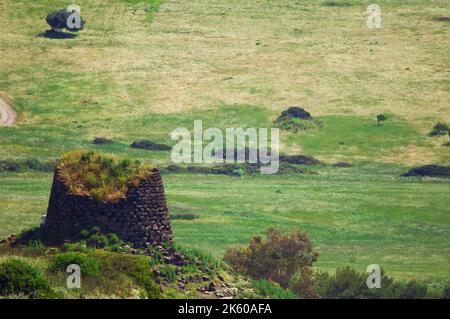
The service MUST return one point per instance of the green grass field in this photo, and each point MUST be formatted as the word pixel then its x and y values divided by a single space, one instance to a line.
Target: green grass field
pixel 356 216
pixel 138 75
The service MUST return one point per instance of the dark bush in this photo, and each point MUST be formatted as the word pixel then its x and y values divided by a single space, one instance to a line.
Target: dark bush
pixel 297 112
pixel 27 164
pixel 176 169
pixel 101 140
pixel 342 164
pixel 88 265
pixel 58 20
pixel 297 119
pixel 345 284
pixel 18 277
pixel 10 166
pixel 429 170
pixel 149 145
pixel 443 19
pixel 409 290
pixel 183 216
pixel 440 129
pixel 381 118
pixel 278 258
pixel 299 159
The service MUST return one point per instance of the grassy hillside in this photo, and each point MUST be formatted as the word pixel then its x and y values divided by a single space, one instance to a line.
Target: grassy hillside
pixel 135 74
pixel 227 62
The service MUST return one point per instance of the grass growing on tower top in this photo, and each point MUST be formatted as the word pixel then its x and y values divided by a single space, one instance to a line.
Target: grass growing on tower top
pixel 100 176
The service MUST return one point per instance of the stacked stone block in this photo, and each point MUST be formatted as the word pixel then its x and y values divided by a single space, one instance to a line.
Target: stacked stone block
pixel 141 217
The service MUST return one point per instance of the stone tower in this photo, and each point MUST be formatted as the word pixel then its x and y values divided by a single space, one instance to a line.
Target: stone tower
pixel 141 217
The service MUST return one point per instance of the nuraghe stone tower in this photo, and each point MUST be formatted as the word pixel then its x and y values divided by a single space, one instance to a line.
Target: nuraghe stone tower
pixel 141 217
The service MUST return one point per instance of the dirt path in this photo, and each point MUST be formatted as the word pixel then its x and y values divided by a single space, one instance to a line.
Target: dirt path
pixel 7 114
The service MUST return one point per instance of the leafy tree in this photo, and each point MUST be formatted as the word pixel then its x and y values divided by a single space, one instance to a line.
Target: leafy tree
pixel 381 118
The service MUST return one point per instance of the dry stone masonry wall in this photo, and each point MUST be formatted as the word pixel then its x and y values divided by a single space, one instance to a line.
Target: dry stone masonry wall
pixel 141 217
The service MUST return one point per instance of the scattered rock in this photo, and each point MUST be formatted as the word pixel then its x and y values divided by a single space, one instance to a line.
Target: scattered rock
pixel 220 277
pixel 429 170
pixel 149 145
pixel 212 287
pixel 205 278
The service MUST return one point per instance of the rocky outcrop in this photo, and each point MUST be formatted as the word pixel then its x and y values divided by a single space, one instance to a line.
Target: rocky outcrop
pixel 141 217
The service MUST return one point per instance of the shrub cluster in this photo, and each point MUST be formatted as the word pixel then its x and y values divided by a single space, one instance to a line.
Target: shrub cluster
pixel 286 259
pixel 96 239
pixel 347 283
pixel 100 176
pixel 88 264
pixel 20 278
pixel 136 267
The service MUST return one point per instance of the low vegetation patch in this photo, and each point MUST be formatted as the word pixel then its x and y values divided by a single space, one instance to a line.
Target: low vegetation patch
pixel 347 283
pixel 297 119
pixel 22 165
pixel 101 140
pixel 299 159
pixel 150 146
pixel 429 170
pixel 100 176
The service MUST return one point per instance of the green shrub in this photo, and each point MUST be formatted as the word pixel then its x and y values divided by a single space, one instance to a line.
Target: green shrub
pixel 347 283
pixel 277 259
pixel 168 273
pixel 18 277
pixel 136 267
pixel 88 265
pixel 272 290
pixel 290 123
pixel 408 290
pixel 204 261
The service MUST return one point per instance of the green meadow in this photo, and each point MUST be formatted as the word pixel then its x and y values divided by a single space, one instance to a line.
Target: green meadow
pixel 138 72
pixel 356 216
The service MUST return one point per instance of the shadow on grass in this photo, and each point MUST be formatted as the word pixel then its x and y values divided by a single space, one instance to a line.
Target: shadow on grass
pixel 57 35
